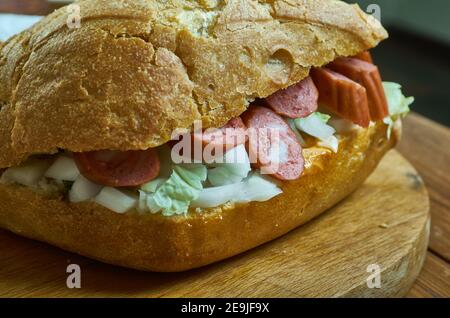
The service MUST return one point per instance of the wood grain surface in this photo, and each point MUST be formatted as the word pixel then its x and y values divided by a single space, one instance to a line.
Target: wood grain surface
pixel 426 145
pixel 385 222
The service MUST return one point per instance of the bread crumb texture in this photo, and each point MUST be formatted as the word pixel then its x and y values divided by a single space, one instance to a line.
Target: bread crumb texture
pixel 136 70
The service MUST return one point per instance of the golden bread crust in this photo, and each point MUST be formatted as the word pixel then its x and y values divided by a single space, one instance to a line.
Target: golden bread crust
pixel 137 70
pixel 166 244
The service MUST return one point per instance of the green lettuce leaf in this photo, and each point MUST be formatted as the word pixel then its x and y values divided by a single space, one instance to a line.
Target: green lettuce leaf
pixel 323 117
pixel 174 196
pixel 398 104
pixel 316 126
pixel 153 185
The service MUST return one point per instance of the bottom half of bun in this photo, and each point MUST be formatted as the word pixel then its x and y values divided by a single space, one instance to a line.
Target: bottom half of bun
pixel 169 244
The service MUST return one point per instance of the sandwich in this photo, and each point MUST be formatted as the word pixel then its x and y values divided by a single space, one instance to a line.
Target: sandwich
pixel 96 123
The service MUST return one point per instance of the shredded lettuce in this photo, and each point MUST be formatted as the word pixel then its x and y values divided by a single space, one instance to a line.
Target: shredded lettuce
pixel 153 185
pixel 398 104
pixel 192 174
pixel 173 196
pixel 234 168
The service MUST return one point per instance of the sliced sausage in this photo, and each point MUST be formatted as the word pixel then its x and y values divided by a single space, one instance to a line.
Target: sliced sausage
pixel 364 56
pixel 296 101
pixel 368 76
pixel 218 140
pixel 272 145
pixel 343 96
pixel 119 168
pixel 233 134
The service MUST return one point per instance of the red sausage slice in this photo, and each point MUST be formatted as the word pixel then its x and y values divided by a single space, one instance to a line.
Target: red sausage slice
pixel 218 140
pixel 296 101
pixel 119 168
pixel 368 76
pixel 365 56
pixel 279 154
pixel 233 134
pixel 342 95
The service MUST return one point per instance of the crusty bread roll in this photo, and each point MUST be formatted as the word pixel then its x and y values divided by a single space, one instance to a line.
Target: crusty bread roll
pixel 167 244
pixel 137 70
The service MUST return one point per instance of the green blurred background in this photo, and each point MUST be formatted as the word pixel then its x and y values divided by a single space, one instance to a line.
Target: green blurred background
pixel 417 55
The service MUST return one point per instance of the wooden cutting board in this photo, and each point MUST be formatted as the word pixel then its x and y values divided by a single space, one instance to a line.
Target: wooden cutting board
pixel 384 225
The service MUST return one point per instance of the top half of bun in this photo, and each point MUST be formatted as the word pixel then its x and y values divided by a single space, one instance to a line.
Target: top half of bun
pixel 136 70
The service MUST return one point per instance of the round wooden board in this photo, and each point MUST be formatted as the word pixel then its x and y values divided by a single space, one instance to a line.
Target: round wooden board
pixel 385 223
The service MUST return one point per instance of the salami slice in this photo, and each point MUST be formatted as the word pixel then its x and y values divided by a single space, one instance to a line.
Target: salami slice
pixel 296 101
pixel 210 144
pixel 272 145
pixel 229 136
pixel 119 168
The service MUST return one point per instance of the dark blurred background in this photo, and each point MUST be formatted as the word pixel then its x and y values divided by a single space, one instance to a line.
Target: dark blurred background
pixel 416 55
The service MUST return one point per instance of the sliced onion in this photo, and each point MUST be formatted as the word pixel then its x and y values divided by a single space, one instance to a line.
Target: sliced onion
pixel 142 204
pixel 257 188
pixel 213 197
pixel 291 123
pixel 116 200
pixel 254 188
pixel 314 126
pixel 83 190
pixel 341 125
pixel 221 176
pixel 64 168
pixel 238 161
pixel 330 143
pixel 235 167
pixel 27 174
